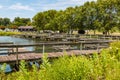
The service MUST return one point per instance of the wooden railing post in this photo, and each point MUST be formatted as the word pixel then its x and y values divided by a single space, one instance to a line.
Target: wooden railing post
pixel 81 46
pixel 90 36
pixel 17 55
pixel 97 37
pixel 64 48
pixel 98 47
pixel 43 48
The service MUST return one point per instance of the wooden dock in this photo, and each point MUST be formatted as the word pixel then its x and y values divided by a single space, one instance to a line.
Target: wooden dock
pixel 61 37
pixel 38 56
pixel 19 53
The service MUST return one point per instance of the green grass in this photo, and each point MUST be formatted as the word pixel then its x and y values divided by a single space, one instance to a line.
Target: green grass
pixel 8 33
pixel 104 66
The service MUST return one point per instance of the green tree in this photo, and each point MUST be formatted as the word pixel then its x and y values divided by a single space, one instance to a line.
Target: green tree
pixel 41 20
pixel 108 15
pixel 5 21
pixel 21 21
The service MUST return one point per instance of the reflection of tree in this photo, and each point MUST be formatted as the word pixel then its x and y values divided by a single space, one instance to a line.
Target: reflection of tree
pixel 38 48
pixel 48 48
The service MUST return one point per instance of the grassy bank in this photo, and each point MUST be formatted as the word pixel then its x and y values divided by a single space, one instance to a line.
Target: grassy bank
pixel 105 66
pixel 8 33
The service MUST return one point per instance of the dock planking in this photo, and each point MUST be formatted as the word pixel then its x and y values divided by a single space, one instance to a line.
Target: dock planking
pixel 18 51
pixel 38 56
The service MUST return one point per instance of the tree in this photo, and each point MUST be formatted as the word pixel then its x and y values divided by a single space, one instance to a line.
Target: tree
pixel 5 21
pixel 41 20
pixel 102 15
pixel 108 13
pixel 21 21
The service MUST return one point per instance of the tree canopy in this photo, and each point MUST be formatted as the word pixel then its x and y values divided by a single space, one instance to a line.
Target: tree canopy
pixel 7 23
pixel 102 15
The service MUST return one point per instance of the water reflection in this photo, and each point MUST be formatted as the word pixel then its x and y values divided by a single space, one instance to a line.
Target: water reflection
pixel 17 41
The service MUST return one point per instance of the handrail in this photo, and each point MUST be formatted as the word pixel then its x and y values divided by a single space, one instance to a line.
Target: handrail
pixel 52 43
pixel 6 48
pixel 1 43
pixel 81 43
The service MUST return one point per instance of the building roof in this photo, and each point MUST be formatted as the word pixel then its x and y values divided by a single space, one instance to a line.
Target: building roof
pixel 25 27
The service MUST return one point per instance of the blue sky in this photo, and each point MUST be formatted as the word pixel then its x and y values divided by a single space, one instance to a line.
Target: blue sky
pixel 28 8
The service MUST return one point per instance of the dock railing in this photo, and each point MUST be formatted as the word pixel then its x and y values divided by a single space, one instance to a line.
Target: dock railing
pixel 6 49
pixel 43 45
pixel 46 36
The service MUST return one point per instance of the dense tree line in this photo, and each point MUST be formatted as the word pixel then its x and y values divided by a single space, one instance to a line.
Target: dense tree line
pixel 102 15
pixel 7 23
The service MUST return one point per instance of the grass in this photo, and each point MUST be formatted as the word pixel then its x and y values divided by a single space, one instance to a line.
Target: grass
pixel 8 33
pixel 97 32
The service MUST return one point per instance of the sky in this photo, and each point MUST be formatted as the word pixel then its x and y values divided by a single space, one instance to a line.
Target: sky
pixel 29 8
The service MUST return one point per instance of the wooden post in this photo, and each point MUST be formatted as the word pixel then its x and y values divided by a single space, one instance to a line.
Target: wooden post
pixel 117 38
pixel 17 56
pixel 104 36
pixel 43 48
pixel 97 37
pixel 98 47
pixel 81 46
pixel 111 37
pixel 90 36
pixel 63 48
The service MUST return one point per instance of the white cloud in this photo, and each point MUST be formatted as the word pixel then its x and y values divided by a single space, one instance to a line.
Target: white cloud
pixel 60 4
pixel 19 6
pixel 1 6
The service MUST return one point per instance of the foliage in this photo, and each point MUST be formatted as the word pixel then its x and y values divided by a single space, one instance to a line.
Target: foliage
pixel 103 66
pixel 2 73
pixel 6 23
pixel 102 15
pixel 21 21
pixel 42 19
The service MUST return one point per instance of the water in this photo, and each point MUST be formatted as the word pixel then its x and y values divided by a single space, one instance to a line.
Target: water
pixel 15 41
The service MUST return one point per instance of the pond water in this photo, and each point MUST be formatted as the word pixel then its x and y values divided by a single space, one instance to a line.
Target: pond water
pixel 15 41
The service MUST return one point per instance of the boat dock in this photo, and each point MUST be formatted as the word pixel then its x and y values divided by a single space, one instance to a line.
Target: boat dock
pixel 38 56
pixel 20 53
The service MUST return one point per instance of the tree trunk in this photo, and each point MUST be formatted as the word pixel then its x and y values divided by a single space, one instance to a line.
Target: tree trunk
pixel 87 31
pixel 94 32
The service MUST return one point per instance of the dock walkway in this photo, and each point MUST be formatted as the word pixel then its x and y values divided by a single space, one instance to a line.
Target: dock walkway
pixel 38 56
pixel 19 53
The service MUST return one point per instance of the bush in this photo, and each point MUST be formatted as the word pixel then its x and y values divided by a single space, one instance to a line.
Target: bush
pixel 81 31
